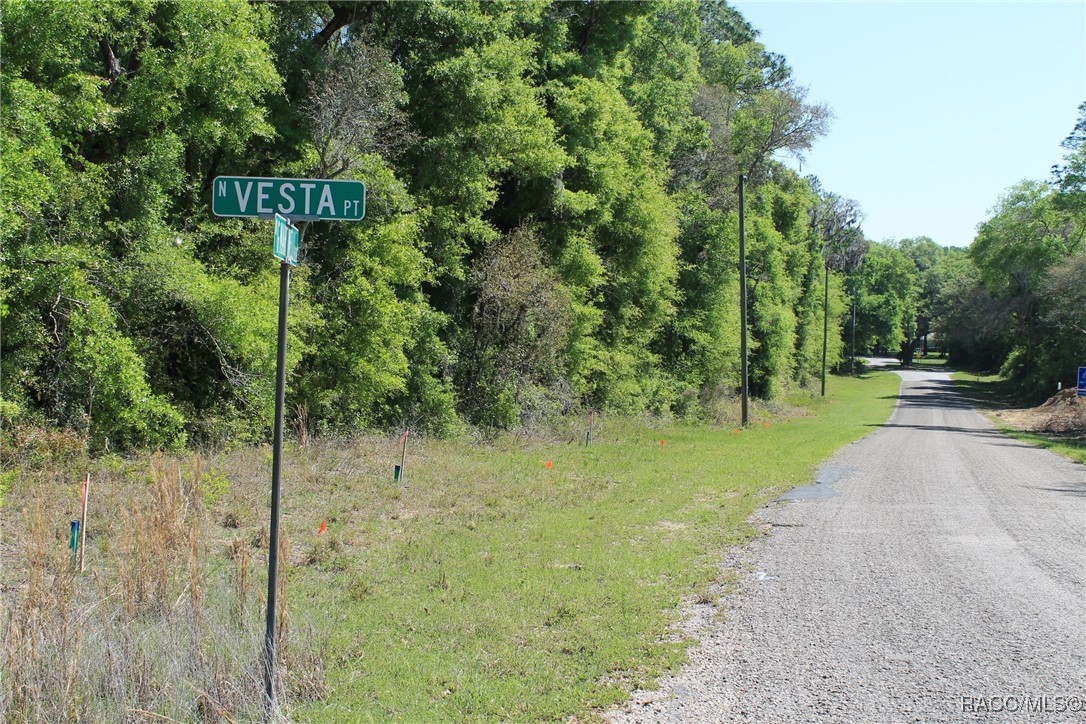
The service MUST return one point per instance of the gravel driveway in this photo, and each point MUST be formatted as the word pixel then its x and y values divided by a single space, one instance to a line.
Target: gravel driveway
pixel 936 573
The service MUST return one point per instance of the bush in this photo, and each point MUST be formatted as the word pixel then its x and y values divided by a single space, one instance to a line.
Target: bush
pixel 517 333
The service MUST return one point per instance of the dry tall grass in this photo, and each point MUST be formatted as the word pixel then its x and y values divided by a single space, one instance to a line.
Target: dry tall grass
pixel 163 625
pixel 167 621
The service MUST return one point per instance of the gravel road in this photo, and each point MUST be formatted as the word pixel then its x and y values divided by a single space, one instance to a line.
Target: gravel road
pixel 937 572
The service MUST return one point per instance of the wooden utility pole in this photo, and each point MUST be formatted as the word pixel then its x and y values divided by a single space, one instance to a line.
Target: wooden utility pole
pixel 743 292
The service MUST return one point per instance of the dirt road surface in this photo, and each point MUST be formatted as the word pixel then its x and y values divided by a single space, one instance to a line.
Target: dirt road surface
pixel 937 572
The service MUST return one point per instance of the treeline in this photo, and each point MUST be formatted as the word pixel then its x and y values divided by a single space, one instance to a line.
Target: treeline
pixel 551 222
pixel 1013 302
pixel 1017 302
pixel 552 216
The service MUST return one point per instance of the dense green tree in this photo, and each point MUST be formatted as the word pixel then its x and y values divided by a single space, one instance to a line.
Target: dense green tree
pixel 154 96
pixel 772 294
pixel 700 344
pixel 749 110
pixel 887 296
pixel 1026 255
pixel 1069 178
pixel 1021 240
pixel 926 256
pixel 970 324
pixel 1061 322
pixel 551 213
pixel 661 75
pixel 619 203
pixel 750 104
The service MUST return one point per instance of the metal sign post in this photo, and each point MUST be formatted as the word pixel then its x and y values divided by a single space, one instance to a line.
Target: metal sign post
pixel 743 294
pixel 286 200
pixel 286 249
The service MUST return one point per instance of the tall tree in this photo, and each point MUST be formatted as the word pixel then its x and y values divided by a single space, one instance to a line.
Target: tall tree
pixel 590 149
pixel 836 222
pixel 155 97
pixel 887 300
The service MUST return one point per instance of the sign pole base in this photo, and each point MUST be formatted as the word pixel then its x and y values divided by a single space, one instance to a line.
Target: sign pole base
pixel 270 705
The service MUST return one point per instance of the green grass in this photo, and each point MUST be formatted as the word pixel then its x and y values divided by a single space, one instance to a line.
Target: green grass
pixel 1074 448
pixel 992 392
pixel 929 361
pixel 491 587
pixel 486 586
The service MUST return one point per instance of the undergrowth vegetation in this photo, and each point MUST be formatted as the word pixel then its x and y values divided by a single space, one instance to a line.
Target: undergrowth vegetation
pixel 998 393
pixel 523 576
pixel 165 620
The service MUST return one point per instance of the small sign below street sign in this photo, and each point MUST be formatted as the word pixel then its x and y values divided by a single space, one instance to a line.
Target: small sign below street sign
pixel 286 200
pixel 285 245
pixel 1082 381
pixel 298 199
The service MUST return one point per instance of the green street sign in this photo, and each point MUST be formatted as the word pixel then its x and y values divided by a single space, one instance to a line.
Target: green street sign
pixel 298 199
pixel 285 245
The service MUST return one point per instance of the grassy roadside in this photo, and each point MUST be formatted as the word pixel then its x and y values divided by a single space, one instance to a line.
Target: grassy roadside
pixel 991 392
pixel 930 362
pixel 489 584
pixel 493 586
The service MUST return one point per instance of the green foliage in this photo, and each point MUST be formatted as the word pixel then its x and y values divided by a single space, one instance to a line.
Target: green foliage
pixel 1061 317
pixel 886 300
pixel 518 329
pixel 110 122
pixel 1069 178
pixel 1021 240
pixel 7 480
pixel 615 195
pixel 214 484
pixel 701 343
pixel 550 216
pixel 771 317
pixel 1024 288
pixel 970 324
pixel 1053 343
pixel 216 356
pixel 65 351
pixel 366 287
pixel 427 401
pixel 662 74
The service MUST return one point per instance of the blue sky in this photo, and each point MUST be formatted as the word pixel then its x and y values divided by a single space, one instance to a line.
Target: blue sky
pixel 940 106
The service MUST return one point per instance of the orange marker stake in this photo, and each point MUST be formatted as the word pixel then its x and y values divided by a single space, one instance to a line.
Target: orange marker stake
pixel 663 442
pixel 548 465
pixel 324 527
